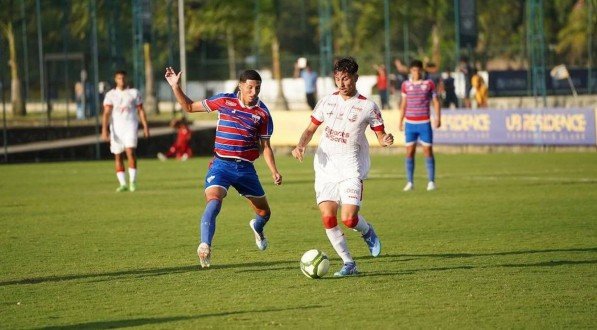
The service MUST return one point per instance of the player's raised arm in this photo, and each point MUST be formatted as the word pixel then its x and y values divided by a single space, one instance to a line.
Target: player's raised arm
pixel 306 137
pixel 185 102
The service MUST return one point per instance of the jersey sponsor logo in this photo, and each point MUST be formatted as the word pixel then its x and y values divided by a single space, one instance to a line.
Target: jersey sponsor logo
pixel 336 136
pixel 330 113
pixel 255 118
pixel 230 103
pixel 211 178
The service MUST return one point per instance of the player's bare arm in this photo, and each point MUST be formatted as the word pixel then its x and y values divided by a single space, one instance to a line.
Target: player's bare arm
pixel 268 156
pixel 105 121
pixel 437 110
pixel 185 102
pixel 402 112
pixel 143 118
pixel 306 137
pixel 384 139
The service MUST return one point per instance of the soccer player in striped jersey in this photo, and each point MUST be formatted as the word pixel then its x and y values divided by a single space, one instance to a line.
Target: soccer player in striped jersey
pixel 417 95
pixel 244 127
pixel 342 159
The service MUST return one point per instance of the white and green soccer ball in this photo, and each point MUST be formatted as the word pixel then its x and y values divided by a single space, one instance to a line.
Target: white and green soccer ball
pixel 315 263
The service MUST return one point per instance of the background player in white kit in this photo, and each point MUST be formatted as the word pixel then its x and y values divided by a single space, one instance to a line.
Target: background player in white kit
pixel 123 108
pixel 342 159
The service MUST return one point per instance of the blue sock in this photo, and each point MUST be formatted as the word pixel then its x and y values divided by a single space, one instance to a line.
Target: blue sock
pixel 260 222
pixel 207 226
pixel 430 164
pixel 410 169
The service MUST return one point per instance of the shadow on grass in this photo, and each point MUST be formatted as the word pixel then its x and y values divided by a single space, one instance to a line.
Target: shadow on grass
pixel 470 255
pixel 141 272
pixel 159 320
pixel 285 264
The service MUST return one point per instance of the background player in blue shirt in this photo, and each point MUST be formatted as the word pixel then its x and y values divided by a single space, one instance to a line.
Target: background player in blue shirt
pixel 244 126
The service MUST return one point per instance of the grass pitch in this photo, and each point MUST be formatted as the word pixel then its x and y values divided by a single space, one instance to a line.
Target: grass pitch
pixel 508 240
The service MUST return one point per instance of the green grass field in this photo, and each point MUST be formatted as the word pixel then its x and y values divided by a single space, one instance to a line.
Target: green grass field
pixel 508 241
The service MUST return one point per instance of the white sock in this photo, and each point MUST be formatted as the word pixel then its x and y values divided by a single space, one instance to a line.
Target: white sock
pixel 132 174
pixel 362 226
pixel 338 241
pixel 121 177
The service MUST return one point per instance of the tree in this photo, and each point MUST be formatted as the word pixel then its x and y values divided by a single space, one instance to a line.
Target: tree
pixel 572 38
pixel 16 97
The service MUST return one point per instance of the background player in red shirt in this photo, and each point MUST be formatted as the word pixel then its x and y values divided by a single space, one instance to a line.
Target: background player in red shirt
pixel 181 149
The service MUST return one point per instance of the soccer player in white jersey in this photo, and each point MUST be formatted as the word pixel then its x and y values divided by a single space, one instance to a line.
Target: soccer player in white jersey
pixel 123 108
pixel 342 159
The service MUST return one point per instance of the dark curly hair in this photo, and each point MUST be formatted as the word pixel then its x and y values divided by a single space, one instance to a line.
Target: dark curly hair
pixel 249 75
pixel 346 64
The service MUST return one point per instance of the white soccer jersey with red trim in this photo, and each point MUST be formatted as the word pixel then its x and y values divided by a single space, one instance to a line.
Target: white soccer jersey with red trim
pixel 343 151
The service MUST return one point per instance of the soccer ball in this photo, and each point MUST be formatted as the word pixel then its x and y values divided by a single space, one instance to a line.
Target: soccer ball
pixel 315 263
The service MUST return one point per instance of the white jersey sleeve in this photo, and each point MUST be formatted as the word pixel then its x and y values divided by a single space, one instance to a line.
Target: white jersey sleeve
pixel 137 97
pixel 317 114
pixel 374 119
pixel 109 98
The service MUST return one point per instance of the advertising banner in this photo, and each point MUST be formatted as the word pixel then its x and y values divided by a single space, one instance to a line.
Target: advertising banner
pixel 555 126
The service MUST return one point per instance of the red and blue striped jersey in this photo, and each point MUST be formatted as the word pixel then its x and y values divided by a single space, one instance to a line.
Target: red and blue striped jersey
pixel 418 97
pixel 239 126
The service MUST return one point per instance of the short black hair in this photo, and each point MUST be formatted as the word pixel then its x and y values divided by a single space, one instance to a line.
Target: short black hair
pixel 249 75
pixel 346 64
pixel 122 72
pixel 416 64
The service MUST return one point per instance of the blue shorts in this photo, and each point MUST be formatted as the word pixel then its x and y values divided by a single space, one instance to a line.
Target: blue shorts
pixel 239 174
pixel 422 132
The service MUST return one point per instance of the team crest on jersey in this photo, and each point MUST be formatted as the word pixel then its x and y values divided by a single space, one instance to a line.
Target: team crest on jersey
pixel 424 87
pixel 255 118
pixel 230 103
pixel 352 117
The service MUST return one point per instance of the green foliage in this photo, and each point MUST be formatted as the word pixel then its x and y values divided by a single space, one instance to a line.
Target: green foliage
pixel 507 241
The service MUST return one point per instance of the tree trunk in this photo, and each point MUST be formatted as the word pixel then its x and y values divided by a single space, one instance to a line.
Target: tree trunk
pixel 436 52
pixel 150 100
pixel 231 54
pixel 16 98
pixel 280 102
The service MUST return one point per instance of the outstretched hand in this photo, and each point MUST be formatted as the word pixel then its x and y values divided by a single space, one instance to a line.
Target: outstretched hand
pixel 172 77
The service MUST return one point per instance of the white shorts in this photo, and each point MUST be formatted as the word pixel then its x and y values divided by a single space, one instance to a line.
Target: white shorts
pixel 349 191
pixel 122 138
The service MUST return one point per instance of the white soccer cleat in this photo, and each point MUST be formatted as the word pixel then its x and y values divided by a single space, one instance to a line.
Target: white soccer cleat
pixel 409 186
pixel 431 186
pixel 260 239
pixel 204 253
pixel 162 157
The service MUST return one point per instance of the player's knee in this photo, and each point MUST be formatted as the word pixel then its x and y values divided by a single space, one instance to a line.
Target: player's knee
pixel 264 213
pixel 329 222
pixel 351 222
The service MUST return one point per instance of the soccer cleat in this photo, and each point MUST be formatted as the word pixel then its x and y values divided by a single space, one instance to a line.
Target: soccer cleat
pixel 184 157
pixel 372 242
pixel 260 239
pixel 132 186
pixel 204 254
pixel 349 269
pixel 409 186
pixel 162 157
pixel 122 188
pixel 431 186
